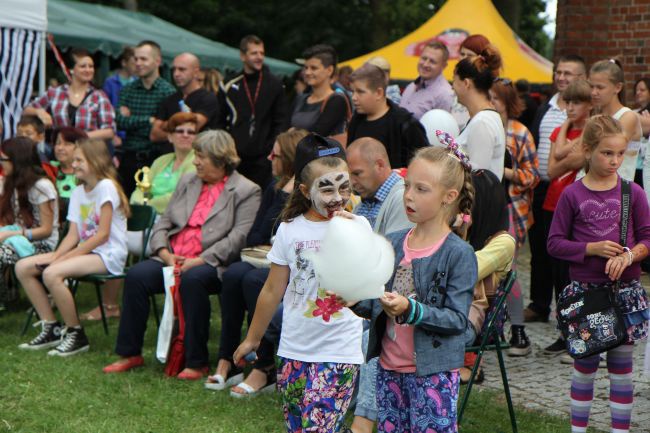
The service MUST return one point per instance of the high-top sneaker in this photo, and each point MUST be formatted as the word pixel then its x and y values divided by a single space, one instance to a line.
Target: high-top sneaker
pixel 519 342
pixel 74 341
pixel 50 336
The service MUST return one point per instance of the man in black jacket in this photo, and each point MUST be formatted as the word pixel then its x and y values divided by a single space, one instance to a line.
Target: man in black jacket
pixel 255 111
pixel 379 118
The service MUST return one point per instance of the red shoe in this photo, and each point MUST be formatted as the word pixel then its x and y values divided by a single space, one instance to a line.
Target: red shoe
pixel 120 366
pixel 193 373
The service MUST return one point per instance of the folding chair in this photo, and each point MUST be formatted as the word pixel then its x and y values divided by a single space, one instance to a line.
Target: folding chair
pixel 492 339
pixel 142 219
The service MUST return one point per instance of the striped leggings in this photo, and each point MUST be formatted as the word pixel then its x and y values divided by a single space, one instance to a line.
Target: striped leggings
pixel 621 389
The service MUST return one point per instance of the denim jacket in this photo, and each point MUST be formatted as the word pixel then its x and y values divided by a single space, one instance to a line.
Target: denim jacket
pixel 444 285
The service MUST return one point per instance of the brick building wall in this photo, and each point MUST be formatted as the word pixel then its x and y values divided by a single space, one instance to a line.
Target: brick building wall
pixel 602 29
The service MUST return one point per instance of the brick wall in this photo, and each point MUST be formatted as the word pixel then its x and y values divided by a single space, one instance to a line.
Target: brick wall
pixel 602 29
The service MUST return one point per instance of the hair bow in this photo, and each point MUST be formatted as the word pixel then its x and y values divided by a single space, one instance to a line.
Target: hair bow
pixel 447 139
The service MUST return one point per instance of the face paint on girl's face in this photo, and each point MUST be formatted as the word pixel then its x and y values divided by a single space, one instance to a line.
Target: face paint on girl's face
pixel 330 192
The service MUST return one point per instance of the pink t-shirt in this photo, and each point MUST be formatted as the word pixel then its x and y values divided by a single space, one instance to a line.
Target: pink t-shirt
pixel 397 353
pixel 187 242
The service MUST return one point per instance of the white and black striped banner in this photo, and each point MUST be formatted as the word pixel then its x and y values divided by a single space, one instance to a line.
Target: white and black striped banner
pixel 19 50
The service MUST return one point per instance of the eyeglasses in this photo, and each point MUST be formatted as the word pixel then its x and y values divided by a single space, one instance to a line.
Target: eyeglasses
pixel 273 155
pixel 3 159
pixel 182 131
pixel 505 81
pixel 566 74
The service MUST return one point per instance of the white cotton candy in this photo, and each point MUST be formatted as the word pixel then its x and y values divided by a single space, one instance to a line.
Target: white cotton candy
pixel 442 120
pixel 353 262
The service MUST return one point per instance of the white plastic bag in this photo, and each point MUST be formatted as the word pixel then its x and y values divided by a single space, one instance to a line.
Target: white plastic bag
pixel 167 321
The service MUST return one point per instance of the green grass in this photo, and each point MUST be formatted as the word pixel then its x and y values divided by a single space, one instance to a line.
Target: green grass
pixel 44 394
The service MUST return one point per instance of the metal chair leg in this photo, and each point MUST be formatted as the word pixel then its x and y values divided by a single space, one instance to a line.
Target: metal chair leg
pixel 30 316
pixel 506 387
pixel 98 290
pixel 470 384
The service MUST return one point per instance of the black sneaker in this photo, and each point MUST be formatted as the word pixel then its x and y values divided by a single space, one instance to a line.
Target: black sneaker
pixel 558 347
pixel 74 341
pixel 50 336
pixel 519 342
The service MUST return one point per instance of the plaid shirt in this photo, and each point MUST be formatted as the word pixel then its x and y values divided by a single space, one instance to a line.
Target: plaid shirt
pixel 369 208
pixel 95 111
pixel 520 144
pixel 143 104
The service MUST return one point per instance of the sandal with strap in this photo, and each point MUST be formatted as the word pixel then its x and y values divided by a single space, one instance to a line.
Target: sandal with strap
pixel 217 382
pixel 110 310
pixel 249 391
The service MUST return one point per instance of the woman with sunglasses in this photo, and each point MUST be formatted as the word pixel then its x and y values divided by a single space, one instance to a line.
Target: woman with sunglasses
pixel 165 172
pixel 65 139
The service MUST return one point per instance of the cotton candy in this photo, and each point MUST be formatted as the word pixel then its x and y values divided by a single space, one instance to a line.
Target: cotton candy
pixel 353 262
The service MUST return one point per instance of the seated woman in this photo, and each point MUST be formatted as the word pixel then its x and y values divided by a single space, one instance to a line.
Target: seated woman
pixel 29 215
pixel 64 145
pixel 242 282
pixel 495 250
pixel 165 172
pixel 203 229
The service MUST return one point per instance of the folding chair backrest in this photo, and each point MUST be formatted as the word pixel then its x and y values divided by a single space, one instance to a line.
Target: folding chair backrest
pixel 497 312
pixel 141 220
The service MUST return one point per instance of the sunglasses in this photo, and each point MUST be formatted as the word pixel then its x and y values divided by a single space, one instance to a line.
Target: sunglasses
pixel 182 131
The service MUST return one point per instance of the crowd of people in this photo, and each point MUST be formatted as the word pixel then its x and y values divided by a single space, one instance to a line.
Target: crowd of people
pixel 236 166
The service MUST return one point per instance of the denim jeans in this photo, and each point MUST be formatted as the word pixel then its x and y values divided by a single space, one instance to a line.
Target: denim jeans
pixel 367 393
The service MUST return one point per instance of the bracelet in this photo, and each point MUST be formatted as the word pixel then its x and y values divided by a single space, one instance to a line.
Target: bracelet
pixel 29 234
pixel 630 255
pixel 411 310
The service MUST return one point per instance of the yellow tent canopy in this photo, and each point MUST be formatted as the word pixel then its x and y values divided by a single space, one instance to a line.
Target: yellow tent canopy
pixel 456 20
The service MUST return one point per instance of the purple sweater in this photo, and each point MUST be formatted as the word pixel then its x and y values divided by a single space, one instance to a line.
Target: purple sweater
pixel 583 216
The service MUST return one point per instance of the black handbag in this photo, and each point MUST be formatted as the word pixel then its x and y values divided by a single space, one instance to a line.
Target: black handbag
pixel 588 315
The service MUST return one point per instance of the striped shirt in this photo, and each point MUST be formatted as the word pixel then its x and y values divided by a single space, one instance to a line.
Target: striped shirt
pixel 143 104
pixel 553 118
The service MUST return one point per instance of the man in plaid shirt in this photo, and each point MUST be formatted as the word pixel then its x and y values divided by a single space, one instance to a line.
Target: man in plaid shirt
pixel 139 103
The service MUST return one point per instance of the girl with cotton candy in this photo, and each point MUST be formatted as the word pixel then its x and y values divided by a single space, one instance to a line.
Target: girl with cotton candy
pixel 417 326
pixel 320 344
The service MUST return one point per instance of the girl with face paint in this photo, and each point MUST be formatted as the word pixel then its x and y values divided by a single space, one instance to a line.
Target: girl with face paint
pixel 320 344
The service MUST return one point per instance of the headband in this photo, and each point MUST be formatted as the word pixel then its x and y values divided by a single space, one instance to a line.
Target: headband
pixel 446 138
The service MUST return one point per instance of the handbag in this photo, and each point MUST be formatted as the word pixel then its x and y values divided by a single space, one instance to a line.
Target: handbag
pixel 166 327
pixel 256 256
pixel 176 355
pixel 588 315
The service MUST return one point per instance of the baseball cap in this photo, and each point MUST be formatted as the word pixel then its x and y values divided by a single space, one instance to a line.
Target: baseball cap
pixel 312 147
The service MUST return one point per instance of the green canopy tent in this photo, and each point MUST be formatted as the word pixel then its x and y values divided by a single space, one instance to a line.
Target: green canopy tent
pixel 108 30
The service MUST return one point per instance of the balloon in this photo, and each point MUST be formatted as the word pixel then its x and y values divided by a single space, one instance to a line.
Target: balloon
pixel 439 119
pixel 353 262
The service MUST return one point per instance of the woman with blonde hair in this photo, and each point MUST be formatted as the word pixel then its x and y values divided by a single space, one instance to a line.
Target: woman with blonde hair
pixel 95 244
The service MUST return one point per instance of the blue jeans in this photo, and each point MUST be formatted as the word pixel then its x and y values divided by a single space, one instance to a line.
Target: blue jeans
pixel 367 394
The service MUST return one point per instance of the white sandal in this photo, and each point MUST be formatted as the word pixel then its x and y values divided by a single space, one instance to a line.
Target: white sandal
pixel 249 391
pixel 217 382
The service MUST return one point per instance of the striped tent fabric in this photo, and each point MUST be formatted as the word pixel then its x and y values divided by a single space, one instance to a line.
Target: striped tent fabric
pixel 19 51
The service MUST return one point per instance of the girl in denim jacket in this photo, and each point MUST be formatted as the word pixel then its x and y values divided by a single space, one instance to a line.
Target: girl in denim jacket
pixel 417 326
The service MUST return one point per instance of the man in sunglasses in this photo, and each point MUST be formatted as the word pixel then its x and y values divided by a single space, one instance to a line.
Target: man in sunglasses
pixel 190 97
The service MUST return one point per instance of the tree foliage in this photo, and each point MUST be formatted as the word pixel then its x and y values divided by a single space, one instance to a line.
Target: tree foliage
pixel 354 27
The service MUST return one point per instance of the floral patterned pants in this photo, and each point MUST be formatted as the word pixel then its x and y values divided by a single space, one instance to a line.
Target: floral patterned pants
pixel 315 395
pixel 417 404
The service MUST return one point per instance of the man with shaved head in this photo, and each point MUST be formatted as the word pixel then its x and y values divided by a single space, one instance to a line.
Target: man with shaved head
pixel 381 189
pixel 382 203
pixel 191 96
pixel 136 111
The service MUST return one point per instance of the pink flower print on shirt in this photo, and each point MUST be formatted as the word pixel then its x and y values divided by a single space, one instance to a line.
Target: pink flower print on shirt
pixel 325 306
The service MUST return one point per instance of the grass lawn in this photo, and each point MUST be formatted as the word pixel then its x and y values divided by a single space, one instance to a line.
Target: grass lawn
pixel 44 394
